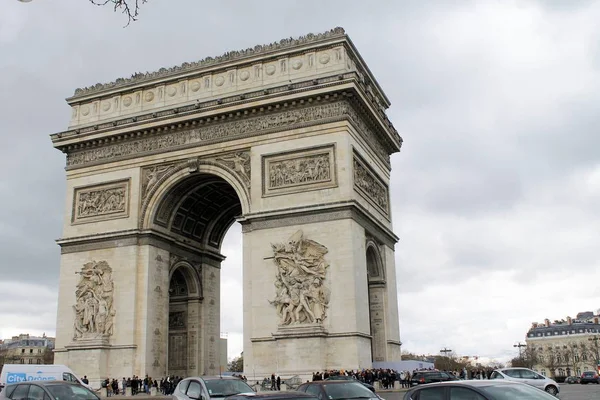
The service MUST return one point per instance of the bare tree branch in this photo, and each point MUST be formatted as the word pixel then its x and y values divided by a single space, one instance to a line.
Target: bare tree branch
pixel 130 8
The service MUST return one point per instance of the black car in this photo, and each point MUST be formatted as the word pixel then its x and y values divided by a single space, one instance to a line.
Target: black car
pixel 572 379
pixel 349 378
pixel 338 390
pixel 477 390
pixel 47 390
pixel 589 377
pixel 423 377
pixel 277 395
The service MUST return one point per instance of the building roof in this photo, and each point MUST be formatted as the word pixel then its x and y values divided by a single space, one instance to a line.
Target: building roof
pixel 585 322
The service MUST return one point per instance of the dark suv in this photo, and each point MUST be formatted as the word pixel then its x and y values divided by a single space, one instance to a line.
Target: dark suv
pixel 422 377
pixel 589 377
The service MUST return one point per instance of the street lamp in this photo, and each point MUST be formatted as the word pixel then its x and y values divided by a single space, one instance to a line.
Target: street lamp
pixel 520 345
pixel 446 351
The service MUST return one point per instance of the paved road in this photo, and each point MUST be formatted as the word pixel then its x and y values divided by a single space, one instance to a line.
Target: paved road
pixel 567 392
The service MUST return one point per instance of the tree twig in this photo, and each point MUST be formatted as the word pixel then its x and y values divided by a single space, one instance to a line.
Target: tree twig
pixel 130 8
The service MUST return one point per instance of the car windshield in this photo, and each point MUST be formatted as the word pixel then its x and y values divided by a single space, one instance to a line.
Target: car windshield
pixel 71 392
pixel 516 392
pixel 347 390
pixel 226 387
pixel 339 378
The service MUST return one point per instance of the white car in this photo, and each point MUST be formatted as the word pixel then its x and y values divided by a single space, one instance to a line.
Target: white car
pixel 210 388
pixel 527 376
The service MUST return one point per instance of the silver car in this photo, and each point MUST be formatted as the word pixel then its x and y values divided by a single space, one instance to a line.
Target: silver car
pixel 527 376
pixel 210 388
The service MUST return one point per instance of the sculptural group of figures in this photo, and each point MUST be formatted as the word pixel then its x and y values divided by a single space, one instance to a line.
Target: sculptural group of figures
pixel 301 170
pixel 301 296
pixel 94 306
pixel 101 202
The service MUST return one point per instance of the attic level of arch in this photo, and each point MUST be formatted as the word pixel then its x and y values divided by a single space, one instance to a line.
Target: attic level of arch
pixel 182 117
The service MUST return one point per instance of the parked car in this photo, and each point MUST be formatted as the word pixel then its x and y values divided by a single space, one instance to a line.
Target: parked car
pixel 572 379
pixel 424 377
pixel 210 387
pixel 485 389
pixel 338 390
pixel 349 378
pixel 525 375
pixel 589 377
pixel 276 395
pixel 47 390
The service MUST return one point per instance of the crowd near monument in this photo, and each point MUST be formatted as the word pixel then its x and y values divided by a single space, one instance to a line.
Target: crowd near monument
pixel 291 140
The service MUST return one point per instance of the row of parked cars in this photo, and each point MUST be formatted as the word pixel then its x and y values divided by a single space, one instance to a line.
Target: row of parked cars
pixel 522 375
pixel 505 384
pixel 585 378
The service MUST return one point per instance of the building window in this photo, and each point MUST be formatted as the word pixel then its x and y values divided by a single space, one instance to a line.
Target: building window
pixel 22 361
pixel 543 372
pixel 578 371
pixel 584 357
pixel 39 351
pixel 31 361
pixel 22 351
pixel 30 351
pixel 39 361
pixel 561 372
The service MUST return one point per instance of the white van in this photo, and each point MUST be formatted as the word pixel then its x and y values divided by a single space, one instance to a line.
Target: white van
pixel 13 373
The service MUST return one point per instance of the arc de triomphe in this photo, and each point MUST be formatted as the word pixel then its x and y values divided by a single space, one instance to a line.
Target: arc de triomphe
pixel 289 139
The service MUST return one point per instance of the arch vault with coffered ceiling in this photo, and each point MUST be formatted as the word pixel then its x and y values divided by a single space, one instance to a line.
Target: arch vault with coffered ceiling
pixel 292 141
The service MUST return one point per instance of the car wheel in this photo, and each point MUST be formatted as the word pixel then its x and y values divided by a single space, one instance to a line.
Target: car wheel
pixel 552 390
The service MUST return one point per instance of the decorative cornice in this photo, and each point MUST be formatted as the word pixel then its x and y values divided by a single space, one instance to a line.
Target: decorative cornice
pixel 228 126
pixel 283 44
pixel 250 222
pixel 324 213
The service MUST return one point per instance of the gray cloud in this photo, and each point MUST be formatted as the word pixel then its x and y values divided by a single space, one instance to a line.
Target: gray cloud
pixel 495 192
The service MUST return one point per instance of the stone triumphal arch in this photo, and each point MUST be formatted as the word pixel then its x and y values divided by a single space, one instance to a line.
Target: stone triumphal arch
pixel 289 139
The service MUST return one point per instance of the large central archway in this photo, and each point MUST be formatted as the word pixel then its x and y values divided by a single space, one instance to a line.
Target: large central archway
pixel 195 211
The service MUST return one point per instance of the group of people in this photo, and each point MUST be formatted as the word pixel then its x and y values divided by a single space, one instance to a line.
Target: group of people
pixel 138 385
pixel 386 377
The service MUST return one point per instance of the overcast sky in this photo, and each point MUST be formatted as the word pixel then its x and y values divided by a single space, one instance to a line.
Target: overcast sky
pixel 495 194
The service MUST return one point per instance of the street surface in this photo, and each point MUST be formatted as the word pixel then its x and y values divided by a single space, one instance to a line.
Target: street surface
pixel 567 392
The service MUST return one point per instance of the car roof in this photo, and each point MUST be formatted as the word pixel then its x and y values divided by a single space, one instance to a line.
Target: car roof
pixel 214 377
pixel 276 394
pixel 332 382
pixel 45 383
pixel 473 383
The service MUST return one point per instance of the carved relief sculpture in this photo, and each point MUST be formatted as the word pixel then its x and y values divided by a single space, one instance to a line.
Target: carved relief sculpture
pixel 366 182
pixel 152 175
pixel 94 312
pixel 302 297
pixel 238 162
pixel 299 171
pixel 101 202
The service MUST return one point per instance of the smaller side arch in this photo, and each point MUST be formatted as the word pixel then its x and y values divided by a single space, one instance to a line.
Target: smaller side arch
pixel 191 275
pixel 375 265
